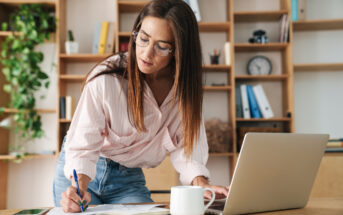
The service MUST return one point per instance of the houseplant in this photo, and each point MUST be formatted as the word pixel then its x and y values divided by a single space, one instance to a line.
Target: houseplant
pixel 31 25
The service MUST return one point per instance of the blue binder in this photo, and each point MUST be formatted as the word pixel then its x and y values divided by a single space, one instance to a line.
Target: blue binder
pixel 294 10
pixel 254 109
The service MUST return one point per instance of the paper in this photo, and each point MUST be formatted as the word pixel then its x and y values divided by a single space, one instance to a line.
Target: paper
pixel 115 209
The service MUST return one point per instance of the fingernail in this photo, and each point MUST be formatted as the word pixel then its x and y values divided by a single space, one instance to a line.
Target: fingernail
pixel 84 202
pixel 86 207
pixel 79 202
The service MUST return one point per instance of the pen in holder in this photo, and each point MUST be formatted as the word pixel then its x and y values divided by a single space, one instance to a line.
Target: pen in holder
pixel 214 58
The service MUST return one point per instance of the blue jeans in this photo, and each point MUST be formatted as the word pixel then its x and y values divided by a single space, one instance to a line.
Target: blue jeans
pixel 113 183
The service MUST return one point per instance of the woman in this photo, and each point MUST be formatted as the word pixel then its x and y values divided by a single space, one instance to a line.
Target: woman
pixel 134 110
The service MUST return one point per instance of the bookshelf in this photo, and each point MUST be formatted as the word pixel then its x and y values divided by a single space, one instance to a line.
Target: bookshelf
pixel 321 27
pixel 6 8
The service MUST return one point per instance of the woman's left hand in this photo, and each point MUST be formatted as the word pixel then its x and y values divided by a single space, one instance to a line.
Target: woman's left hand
pixel 221 191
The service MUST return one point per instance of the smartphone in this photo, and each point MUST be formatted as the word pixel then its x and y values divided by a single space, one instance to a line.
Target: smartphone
pixel 37 211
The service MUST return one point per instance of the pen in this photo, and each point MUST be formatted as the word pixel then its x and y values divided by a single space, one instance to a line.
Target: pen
pixel 77 188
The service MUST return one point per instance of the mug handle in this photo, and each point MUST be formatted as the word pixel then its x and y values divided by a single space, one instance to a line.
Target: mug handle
pixel 213 197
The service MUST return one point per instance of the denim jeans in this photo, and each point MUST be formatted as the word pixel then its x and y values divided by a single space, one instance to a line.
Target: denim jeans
pixel 113 183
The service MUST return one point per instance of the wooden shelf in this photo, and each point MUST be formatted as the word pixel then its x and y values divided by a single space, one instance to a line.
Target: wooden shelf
pixel 30 156
pixel 213 26
pixel 222 154
pixel 65 120
pixel 18 2
pixel 124 34
pixel 316 25
pixel 261 77
pixel 318 67
pixel 72 78
pixel 131 6
pixel 264 120
pixel 217 88
pixel 11 110
pixel 259 16
pixel 247 47
pixel 83 57
pixel 216 67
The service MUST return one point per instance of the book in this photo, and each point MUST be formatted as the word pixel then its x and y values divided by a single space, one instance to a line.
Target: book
pixel 62 107
pixel 96 36
pixel 110 38
pixel 263 102
pixel 227 53
pixel 286 29
pixel 301 9
pixel 239 111
pixel 282 31
pixel 69 107
pixel 103 37
pixel 254 109
pixel 124 46
pixel 195 7
pixel 338 149
pixel 333 144
pixel 294 10
pixel 245 102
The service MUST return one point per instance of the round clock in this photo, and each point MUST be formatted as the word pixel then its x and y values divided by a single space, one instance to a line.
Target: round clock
pixel 259 65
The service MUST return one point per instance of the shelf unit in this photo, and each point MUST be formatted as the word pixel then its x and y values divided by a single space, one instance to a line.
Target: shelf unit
pixel 329 176
pixel 318 25
pixel 285 120
pixel 6 8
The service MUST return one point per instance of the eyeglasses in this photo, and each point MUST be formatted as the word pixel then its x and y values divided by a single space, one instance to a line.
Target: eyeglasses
pixel 161 48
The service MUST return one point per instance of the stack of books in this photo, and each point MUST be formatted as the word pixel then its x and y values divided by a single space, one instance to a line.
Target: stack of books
pixel 335 145
pixel 284 33
pixel 252 102
pixel 104 38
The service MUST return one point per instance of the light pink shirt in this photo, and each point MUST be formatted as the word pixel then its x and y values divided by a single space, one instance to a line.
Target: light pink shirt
pixel 101 127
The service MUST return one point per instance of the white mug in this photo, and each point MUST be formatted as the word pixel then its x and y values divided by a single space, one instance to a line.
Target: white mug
pixel 189 200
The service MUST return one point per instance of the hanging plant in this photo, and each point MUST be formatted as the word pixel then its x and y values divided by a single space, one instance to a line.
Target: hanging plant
pixel 31 25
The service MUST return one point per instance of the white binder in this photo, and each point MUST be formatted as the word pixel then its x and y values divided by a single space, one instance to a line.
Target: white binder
pixel 262 101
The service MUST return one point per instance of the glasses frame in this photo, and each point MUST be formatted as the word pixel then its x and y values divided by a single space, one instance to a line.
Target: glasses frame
pixel 134 35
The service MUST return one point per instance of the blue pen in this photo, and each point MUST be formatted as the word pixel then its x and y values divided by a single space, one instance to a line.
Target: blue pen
pixel 78 188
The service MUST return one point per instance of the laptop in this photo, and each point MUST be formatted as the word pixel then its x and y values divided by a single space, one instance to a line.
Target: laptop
pixel 274 171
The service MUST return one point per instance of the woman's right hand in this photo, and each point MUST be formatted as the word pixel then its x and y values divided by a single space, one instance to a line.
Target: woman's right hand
pixel 71 201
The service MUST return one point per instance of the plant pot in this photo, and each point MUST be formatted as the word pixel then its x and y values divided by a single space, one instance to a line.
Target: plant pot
pixel 72 47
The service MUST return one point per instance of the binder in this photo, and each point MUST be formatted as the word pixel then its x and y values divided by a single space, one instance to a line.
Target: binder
pixel 254 110
pixel 227 53
pixel 294 10
pixel 110 38
pixel 62 107
pixel 239 111
pixel 301 9
pixel 96 38
pixel 263 102
pixel 103 37
pixel 69 107
pixel 245 102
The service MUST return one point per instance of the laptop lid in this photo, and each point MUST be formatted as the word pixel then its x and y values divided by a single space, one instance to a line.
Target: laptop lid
pixel 275 171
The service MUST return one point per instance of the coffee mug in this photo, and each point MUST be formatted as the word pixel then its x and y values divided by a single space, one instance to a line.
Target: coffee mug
pixel 189 200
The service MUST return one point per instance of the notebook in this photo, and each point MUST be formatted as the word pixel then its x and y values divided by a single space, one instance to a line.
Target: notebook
pixel 274 171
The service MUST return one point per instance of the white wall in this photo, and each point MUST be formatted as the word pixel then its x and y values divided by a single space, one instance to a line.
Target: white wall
pixel 318 103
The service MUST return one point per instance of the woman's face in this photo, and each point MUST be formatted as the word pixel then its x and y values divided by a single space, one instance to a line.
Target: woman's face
pixel 154 45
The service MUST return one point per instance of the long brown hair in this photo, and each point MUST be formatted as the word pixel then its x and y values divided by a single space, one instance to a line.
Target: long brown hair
pixel 187 62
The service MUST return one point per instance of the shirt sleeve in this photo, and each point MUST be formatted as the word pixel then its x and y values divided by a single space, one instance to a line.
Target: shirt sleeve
pixel 85 136
pixel 194 166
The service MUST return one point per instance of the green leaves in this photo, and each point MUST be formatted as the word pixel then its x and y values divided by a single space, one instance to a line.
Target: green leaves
pixel 32 24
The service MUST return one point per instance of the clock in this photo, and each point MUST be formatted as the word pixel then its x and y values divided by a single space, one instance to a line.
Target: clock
pixel 259 65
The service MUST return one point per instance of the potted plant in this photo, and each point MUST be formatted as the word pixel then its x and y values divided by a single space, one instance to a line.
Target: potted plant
pixel 71 46
pixel 31 24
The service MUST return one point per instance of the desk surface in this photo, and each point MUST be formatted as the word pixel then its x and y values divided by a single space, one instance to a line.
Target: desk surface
pixel 316 206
